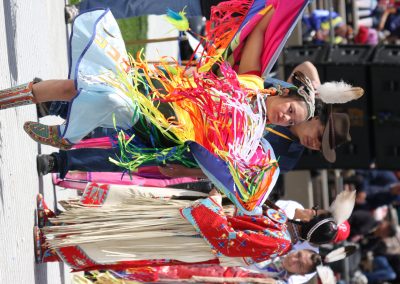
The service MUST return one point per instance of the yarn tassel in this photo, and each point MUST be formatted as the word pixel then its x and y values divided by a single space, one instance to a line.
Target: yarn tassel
pixel 178 20
pixel 212 111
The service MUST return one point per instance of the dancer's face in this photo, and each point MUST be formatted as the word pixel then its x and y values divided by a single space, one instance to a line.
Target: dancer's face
pixel 306 215
pixel 286 110
pixel 310 133
pixel 299 262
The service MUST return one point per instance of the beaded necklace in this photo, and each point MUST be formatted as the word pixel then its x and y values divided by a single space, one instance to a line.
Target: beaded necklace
pixel 294 234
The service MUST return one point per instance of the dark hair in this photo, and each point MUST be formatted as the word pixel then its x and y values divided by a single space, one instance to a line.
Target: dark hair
pixel 294 95
pixel 322 234
pixel 316 260
pixel 322 111
pixel 297 78
pixel 392 229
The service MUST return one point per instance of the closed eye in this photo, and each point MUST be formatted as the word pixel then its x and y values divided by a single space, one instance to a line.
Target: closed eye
pixel 301 264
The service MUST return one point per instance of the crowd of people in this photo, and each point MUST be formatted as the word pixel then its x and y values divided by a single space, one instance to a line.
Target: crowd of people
pixel 378 23
pixel 374 223
pixel 219 133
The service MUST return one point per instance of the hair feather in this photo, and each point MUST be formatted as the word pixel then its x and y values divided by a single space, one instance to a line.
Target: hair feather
pixel 338 92
pixel 339 254
pixel 343 205
pixel 326 275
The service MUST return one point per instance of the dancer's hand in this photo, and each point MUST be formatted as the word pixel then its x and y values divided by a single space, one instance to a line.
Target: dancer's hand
pixel 214 192
pixel 216 196
pixel 189 71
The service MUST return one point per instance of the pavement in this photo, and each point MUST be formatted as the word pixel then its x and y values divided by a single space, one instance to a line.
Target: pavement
pixel 33 44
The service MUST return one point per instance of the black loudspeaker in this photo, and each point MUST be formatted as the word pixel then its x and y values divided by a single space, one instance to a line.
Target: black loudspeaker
pixel 350 64
pixel 385 79
pixel 296 55
pixel 387 144
pixel 385 86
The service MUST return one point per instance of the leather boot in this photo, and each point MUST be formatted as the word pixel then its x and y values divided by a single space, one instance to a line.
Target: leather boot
pixel 46 164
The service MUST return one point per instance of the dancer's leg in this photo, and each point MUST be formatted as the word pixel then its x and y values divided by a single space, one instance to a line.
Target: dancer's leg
pixel 37 91
pixel 85 159
pixel 43 212
pixel 42 252
pixel 54 90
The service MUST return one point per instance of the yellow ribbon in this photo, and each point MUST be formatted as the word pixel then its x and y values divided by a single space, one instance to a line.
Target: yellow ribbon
pixel 278 133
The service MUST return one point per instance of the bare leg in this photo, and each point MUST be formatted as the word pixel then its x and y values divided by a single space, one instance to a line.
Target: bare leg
pixel 54 90
pixel 51 90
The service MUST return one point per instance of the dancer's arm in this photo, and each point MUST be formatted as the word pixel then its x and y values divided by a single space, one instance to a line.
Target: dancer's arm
pixel 252 50
pixel 255 237
pixel 308 69
pixel 174 170
pixel 384 18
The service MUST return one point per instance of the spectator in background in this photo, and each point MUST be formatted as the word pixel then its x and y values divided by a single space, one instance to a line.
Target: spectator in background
pixel 318 25
pixel 377 199
pixel 373 180
pixel 367 36
pixel 379 270
pixel 370 234
pixel 375 188
pixel 386 19
pixel 364 228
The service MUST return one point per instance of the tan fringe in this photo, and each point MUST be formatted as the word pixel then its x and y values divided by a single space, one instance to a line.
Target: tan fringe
pixel 136 218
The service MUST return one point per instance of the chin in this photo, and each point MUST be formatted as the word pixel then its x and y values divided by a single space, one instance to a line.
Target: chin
pixel 273 122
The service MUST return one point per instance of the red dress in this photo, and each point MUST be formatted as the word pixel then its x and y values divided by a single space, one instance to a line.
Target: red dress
pixel 252 238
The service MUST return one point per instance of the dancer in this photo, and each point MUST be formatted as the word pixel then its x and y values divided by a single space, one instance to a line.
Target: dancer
pixel 189 111
pixel 212 116
pixel 288 143
pixel 315 134
pixel 87 238
pixel 291 265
